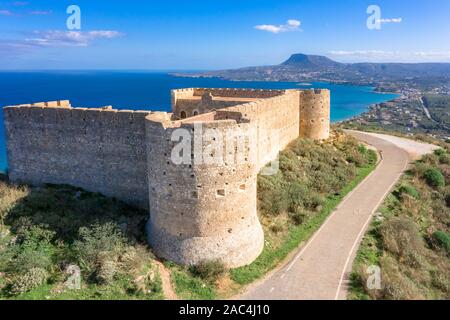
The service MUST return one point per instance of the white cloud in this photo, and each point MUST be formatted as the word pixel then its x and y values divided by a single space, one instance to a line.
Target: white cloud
pixel 294 23
pixel 291 25
pixel 6 13
pixel 57 38
pixel 403 56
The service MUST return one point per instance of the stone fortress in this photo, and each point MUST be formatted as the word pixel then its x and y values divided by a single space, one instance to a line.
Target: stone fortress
pixel 199 211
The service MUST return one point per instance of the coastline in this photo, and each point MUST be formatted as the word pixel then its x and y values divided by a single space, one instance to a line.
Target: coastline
pixel 153 89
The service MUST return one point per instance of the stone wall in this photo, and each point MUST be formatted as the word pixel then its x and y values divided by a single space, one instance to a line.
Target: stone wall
pixel 199 210
pixel 277 123
pixel 315 114
pixel 193 107
pixel 190 102
pixel 240 93
pixel 194 212
pixel 100 150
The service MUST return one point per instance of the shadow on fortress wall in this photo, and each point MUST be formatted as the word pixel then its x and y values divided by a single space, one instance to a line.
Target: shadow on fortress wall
pixel 65 209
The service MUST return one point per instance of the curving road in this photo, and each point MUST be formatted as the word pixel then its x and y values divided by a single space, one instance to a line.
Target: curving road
pixel 319 271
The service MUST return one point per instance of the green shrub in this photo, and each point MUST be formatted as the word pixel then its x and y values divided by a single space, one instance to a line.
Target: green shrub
pixel 298 192
pixel 362 149
pixel 96 243
pixel 208 270
pixel 357 158
pixel 29 281
pixel 434 178
pixel 396 285
pixel 440 152
pixel 440 280
pixel 33 249
pixel 298 217
pixel 106 271
pixel 443 239
pixel 274 202
pixel 409 190
pixel 401 237
pixel 444 159
pixel 277 226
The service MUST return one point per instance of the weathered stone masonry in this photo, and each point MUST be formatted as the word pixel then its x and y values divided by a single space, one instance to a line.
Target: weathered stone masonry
pixel 199 211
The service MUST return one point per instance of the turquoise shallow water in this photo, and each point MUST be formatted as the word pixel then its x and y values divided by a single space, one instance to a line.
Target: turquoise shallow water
pixel 149 91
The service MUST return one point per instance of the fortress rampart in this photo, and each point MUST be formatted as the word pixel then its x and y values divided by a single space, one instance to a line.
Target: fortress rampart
pixel 315 114
pixel 200 209
pixel 101 150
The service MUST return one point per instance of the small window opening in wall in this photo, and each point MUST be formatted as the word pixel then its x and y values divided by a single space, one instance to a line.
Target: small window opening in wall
pixel 183 115
pixel 195 113
pixel 221 193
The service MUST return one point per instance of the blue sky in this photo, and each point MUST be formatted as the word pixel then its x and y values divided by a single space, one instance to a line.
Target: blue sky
pixel 217 34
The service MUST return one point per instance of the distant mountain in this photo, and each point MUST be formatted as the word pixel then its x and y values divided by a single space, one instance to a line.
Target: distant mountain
pixel 303 61
pixel 403 69
pixel 303 67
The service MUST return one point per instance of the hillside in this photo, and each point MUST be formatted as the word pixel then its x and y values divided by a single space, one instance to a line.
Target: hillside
pixel 410 237
pixel 428 114
pixel 301 67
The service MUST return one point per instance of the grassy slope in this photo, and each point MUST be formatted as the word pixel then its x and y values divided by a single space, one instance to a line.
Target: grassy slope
pixel 410 240
pixel 120 266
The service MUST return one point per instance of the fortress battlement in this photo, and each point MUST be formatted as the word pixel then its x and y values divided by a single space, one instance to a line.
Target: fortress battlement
pixel 200 209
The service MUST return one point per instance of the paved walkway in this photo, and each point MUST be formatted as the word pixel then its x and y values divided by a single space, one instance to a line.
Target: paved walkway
pixel 319 271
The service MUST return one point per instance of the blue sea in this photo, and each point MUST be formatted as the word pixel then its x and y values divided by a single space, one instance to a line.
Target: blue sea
pixel 146 90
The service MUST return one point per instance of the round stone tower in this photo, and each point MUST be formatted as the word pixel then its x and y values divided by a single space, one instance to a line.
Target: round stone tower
pixel 202 210
pixel 315 114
